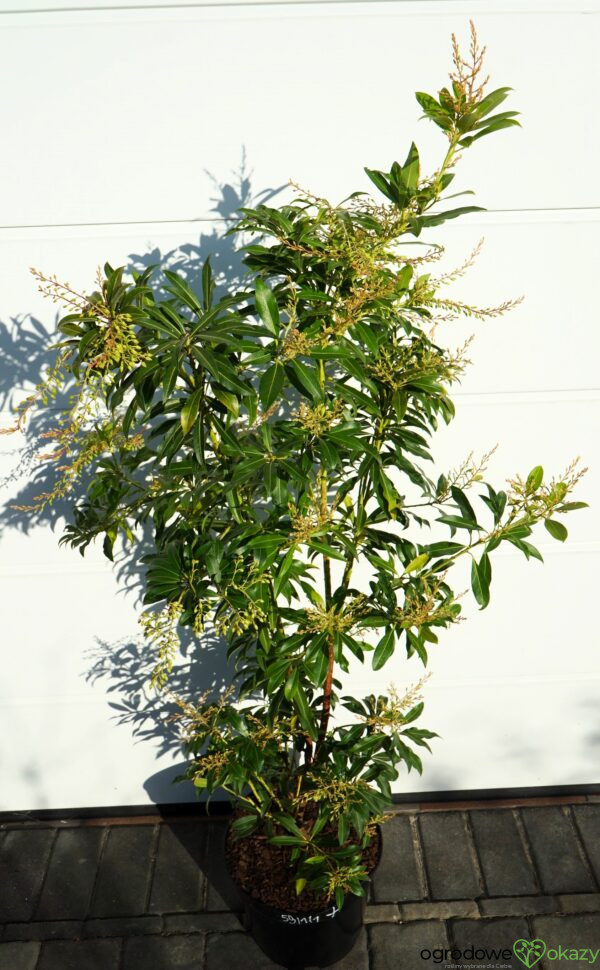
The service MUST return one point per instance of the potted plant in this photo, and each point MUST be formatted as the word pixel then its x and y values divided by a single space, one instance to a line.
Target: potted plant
pixel 274 438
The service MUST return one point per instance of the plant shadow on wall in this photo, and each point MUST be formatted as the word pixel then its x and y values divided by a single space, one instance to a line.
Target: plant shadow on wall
pixel 26 354
pixel 125 668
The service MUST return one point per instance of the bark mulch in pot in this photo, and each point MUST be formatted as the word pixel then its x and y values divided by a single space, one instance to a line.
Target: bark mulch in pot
pixel 265 872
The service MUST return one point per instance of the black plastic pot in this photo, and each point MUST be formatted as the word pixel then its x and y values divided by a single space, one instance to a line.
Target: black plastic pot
pixel 298 940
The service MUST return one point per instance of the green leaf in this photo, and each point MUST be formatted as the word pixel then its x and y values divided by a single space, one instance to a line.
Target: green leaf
pixel 526 548
pixel 170 376
pixel 457 523
pixel 286 840
pixel 305 378
pixel 343 829
pixel 227 398
pixel 325 549
pixel 305 712
pixel 160 319
pixel 463 503
pixel 410 169
pixel 183 292
pixel 413 714
pixel 384 649
pixel 556 529
pixel 501 116
pixel 189 411
pixel 375 620
pixel 267 540
pixel 246 469
pixel 534 479
pixel 517 531
pixel 308 293
pixel 291 684
pixel 266 304
pixel 400 402
pixel 284 570
pixel 244 826
pixel 379 179
pixel 491 101
pixel 107 545
pixel 208 284
pixel 329 454
pixel 434 111
pixel 493 126
pixel 439 550
pixel 271 384
pixel 481 575
pixel 440 217
pixel 288 823
pixel 417 563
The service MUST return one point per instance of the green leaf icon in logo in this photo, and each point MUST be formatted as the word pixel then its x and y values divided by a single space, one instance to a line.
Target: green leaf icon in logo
pixel 529 951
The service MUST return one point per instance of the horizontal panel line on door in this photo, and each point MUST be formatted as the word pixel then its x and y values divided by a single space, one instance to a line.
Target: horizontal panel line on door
pixel 530 6
pixel 535 395
pixel 592 210
pixel 83 697
pixel 527 396
pixel 590 547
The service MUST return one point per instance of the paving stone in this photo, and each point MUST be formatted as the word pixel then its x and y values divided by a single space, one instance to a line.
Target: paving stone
pixel 446 910
pixel 580 903
pixel 19 956
pixel 570 933
pixel 519 905
pixel 214 901
pixel 397 877
pixel 588 822
pixel 489 934
pixel 449 856
pixel 124 872
pixel 560 865
pixel 178 881
pixel 235 950
pixel 126 926
pixel 166 953
pixel 221 892
pixel 382 913
pixel 80 955
pixel 239 950
pixel 399 947
pixel 64 929
pixel 357 959
pixel 24 855
pixel 71 874
pixel 202 923
pixel 506 868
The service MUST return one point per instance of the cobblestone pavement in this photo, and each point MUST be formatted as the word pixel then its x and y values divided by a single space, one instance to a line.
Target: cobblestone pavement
pixel 151 893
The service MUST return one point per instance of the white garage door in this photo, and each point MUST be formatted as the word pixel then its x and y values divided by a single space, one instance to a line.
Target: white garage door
pixel 128 133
